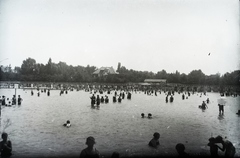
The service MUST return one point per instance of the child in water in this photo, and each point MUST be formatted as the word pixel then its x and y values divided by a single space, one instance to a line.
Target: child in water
pixel 154 142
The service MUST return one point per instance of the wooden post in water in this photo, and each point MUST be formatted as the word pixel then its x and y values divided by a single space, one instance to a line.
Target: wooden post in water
pixel 15 86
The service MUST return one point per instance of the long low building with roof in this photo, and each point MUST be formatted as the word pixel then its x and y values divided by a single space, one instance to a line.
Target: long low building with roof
pixel 155 81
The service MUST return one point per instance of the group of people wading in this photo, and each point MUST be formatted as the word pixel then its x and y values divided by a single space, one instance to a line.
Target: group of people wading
pixel 98 100
pixel 13 101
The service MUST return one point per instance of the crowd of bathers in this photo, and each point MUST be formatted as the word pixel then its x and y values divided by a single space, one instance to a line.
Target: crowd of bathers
pixel 227 146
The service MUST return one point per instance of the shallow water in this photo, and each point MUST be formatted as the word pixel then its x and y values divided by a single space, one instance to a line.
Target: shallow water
pixel 35 128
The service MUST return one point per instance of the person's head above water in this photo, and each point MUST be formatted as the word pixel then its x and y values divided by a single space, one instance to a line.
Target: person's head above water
pixel 68 121
pixel 156 135
pixel 149 115
pixel 90 141
pixel 4 136
pixel 180 147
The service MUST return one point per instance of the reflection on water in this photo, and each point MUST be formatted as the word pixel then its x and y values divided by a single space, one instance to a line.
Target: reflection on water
pixel 220 117
pixel 37 123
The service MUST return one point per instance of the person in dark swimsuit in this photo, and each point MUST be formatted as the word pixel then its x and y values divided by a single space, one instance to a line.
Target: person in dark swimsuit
pixel 90 152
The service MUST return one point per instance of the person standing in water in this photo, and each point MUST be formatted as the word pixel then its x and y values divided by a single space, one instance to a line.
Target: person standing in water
pixel 166 99
pixel 98 100
pixel 93 100
pixel 204 105
pixel 221 104
pixel 19 100
pixel 221 109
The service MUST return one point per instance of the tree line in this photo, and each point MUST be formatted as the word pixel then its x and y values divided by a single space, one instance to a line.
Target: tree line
pixel 61 72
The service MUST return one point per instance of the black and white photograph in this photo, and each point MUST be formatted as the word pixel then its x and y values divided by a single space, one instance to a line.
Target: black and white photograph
pixel 119 78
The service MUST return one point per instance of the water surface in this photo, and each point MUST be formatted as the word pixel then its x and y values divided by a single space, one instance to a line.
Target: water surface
pixel 35 128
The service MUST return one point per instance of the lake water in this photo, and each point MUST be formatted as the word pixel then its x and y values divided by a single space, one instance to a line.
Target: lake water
pixel 35 128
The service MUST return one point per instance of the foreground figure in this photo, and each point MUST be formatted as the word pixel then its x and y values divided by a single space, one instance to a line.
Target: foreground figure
pixel 5 146
pixel 154 142
pixel 227 146
pixel 89 152
pixel 180 149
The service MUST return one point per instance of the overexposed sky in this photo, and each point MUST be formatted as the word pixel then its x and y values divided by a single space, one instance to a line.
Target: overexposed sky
pixel 144 35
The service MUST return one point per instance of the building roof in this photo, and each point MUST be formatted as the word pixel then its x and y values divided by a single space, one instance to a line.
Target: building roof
pixel 105 71
pixel 144 84
pixel 154 80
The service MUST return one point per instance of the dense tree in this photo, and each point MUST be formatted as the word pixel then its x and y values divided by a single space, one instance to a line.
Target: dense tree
pixel 196 77
pixel 28 66
pixel 61 72
pixel 161 74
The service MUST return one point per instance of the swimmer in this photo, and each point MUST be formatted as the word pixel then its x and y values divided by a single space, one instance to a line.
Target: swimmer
pixel 142 115
pixel 67 124
pixel 154 142
pixel 180 149
pixel 149 115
